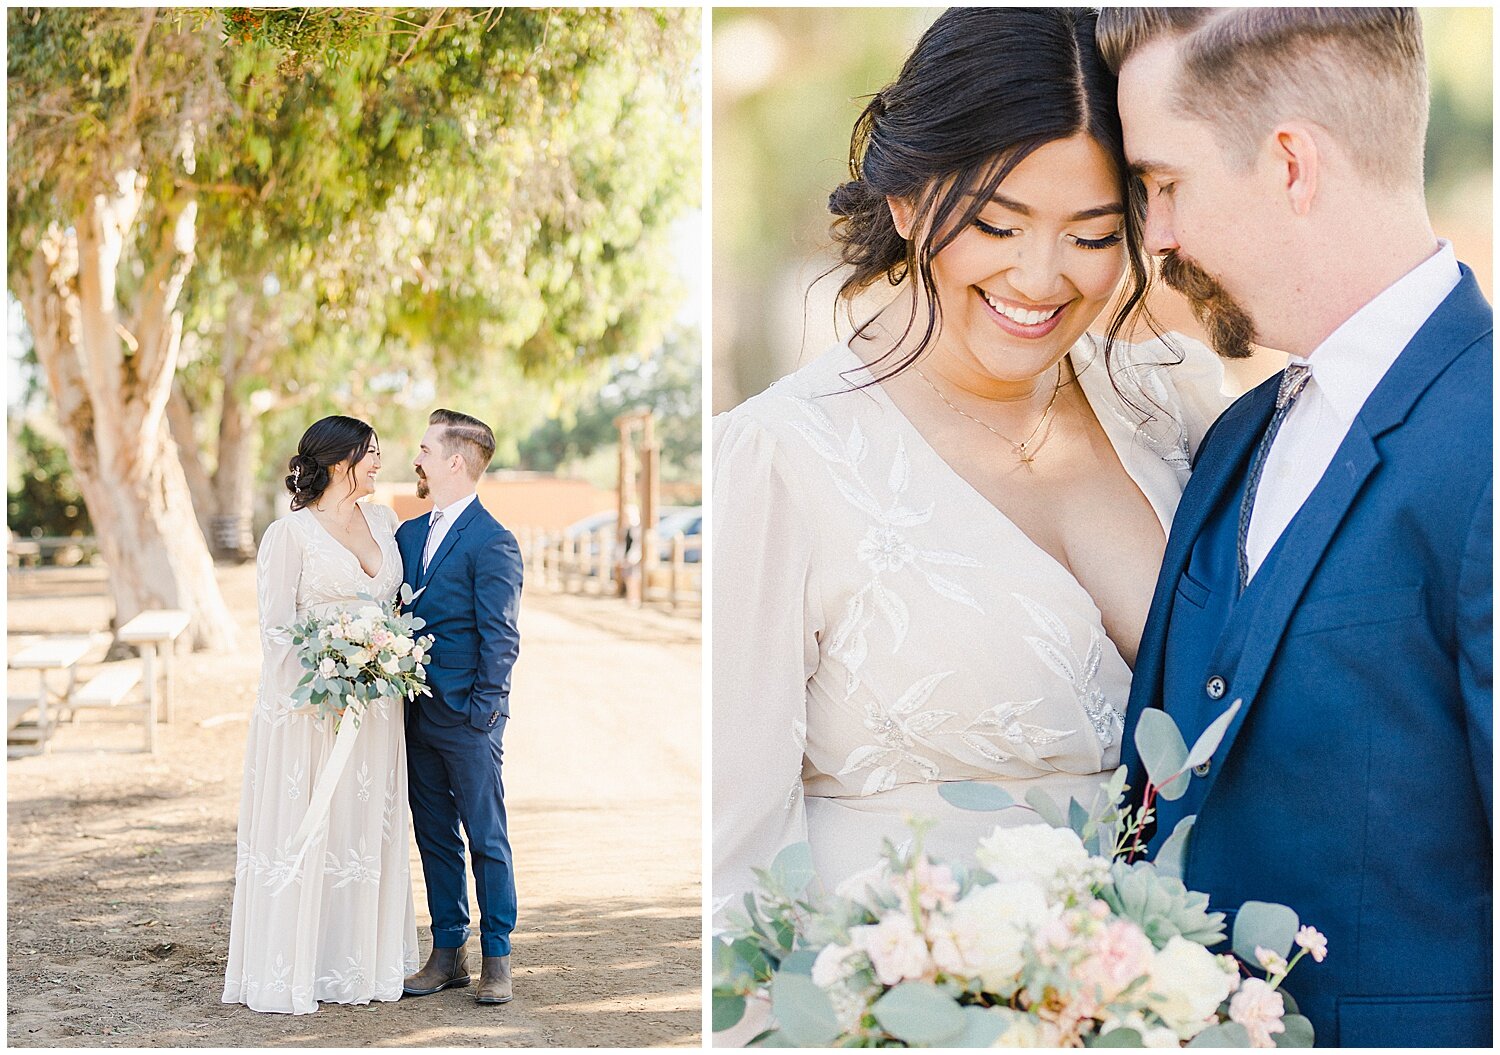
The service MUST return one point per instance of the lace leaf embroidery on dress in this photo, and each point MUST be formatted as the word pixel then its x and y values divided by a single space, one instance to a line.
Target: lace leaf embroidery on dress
pixel 1083 675
pixel 885 549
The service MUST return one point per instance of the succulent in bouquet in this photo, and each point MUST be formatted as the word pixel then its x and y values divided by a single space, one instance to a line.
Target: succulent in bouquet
pixel 1061 934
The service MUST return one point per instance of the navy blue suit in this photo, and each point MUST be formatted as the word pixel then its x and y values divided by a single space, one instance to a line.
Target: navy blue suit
pixel 1355 783
pixel 470 597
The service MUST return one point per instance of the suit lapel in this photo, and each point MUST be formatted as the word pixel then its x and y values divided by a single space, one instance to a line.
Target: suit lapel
pixel 1460 320
pixel 1221 465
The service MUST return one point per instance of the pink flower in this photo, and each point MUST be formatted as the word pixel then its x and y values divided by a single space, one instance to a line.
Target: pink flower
pixel 895 948
pixel 1270 961
pixel 1258 1008
pixel 1308 938
pixel 1118 954
pixel 936 887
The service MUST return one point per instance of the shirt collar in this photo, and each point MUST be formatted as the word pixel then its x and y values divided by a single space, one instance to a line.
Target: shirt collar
pixel 450 512
pixel 1353 358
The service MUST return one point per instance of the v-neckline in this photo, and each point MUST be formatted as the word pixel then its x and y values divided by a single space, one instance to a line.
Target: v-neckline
pixel 999 513
pixel 357 562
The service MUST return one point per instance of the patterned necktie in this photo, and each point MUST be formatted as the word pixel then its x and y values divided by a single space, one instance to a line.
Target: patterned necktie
pixel 437 514
pixel 1293 380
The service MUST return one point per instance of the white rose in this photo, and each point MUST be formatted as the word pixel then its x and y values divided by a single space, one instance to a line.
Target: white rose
pixel 402 646
pixel 361 657
pixel 1053 858
pixel 418 654
pixel 895 949
pixel 1024 1031
pixel 327 667
pixel 371 614
pixel 391 666
pixel 1186 986
pixel 834 964
pixel 988 932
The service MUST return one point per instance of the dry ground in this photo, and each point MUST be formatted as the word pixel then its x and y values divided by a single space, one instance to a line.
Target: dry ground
pixel 120 864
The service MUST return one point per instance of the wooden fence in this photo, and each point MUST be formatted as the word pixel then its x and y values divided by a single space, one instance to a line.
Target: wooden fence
pixel 591 564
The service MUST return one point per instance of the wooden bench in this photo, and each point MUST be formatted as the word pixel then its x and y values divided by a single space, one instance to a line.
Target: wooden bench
pixel 110 689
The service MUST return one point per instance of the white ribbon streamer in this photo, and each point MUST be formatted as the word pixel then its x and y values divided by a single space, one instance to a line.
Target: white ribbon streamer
pixel 319 804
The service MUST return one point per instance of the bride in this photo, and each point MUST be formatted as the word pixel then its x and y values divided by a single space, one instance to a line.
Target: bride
pixel 936 545
pixel 331 920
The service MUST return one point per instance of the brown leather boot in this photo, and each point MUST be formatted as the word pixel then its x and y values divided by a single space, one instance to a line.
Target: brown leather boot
pixel 445 969
pixel 494 981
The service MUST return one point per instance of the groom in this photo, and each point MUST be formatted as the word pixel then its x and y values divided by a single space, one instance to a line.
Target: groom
pixel 1329 568
pixel 468 571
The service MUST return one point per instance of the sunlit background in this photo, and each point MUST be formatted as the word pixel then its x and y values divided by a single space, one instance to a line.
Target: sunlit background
pixel 788 85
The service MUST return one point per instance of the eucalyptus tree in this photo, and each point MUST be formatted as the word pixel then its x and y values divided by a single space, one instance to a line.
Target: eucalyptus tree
pixel 379 198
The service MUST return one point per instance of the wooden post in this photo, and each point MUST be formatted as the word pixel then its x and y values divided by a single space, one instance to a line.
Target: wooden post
pixel 679 555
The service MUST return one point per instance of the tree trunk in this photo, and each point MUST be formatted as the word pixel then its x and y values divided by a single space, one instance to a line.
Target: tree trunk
pixel 238 447
pixel 180 414
pixel 110 384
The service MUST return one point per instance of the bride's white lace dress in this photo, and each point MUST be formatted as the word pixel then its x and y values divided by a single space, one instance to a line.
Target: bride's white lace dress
pixel 880 628
pixel 343 929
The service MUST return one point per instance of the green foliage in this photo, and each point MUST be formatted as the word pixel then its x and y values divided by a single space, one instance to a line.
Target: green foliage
pixel 1265 925
pixel 421 202
pixel 920 1014
pixel 668 381
pixel 43 498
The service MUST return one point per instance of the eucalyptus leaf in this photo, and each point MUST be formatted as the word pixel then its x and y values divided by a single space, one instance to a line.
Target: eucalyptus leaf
pixel 1223 1035
pixel 1263 924
pixel 728 1010
pixel 1119 1037
pixel 1046 807
pixel 806 1014
pixel 982 1027
pixel 974 795
pixel 1161 747
pixel 799 962
pixel 1116 786
pixel 1298 1033
pixel 1078 817
pixel 792 869
pixel 1169 856
pixel 1208 742
pixel 920 1014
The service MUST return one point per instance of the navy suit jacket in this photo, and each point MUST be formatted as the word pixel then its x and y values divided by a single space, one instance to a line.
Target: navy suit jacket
pixel 471 594
pixel 1355 782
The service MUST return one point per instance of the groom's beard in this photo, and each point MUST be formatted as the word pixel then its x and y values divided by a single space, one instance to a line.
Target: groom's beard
pixel 421 484
pixel 1231 332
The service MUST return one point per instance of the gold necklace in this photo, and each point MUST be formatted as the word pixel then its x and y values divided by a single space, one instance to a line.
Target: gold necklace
pixel 1023 450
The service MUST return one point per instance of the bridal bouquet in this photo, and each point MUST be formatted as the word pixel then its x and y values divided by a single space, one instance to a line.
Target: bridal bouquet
pixel 1059 937
pixel 352 658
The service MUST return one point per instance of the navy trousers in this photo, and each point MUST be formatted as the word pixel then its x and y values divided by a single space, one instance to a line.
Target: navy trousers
pixel 454 779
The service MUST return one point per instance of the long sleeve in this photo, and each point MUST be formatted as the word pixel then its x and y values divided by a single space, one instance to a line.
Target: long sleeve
pixel 1476 621
pixel 278 568
pixel 765 648
pixel 497 606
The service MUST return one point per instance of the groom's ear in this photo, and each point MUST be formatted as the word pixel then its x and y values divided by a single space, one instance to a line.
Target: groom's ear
pixel 1296 163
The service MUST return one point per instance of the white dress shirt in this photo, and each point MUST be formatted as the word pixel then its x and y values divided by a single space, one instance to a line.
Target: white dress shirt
pixel 439 531
pixel 1344 370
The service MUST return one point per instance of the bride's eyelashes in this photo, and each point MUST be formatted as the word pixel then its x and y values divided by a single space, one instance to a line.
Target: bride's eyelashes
pixel 1107 242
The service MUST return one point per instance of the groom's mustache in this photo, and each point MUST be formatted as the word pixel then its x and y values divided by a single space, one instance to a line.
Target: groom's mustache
pixel 1231 331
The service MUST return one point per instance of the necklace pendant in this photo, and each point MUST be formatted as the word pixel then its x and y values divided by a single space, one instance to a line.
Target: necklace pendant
pixel 1026 456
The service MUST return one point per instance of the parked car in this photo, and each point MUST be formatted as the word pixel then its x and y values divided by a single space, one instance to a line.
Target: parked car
pixel 689 522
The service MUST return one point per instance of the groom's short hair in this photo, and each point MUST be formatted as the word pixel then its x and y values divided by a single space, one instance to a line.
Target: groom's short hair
pixel 1359 72
pixel 467 437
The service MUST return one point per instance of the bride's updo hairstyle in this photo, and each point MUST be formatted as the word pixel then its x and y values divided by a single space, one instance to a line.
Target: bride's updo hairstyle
pixel 327 442
pixel 983 88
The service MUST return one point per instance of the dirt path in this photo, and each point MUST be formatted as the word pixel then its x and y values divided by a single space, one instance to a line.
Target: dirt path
pixel 120 865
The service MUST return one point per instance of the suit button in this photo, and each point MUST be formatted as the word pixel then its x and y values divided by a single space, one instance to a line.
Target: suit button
pixel 1216 688
pixel 1201 770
